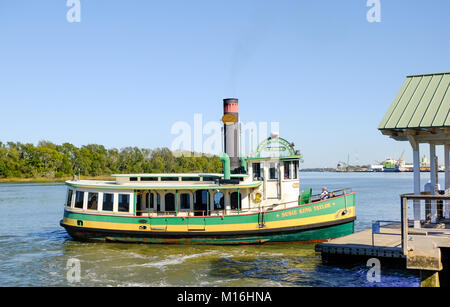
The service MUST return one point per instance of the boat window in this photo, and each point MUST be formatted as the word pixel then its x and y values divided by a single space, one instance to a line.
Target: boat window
pixel 169 178
pixel 92 201
pixel 108 202
pixel 142 203
pixel 219 201
pixel 133 178
pixel 169 202
pixel 273 171
pixel 146 201
pixel 190 179
pixel 158 201
pixel 152 200
pixel 236 200
pixel 287 170
pixel 124 203
pixel 79 199
pixel 149 178
pixel 295 172
pixel 209 178
pixel 69 198
pixel 185 201
pixel 258 171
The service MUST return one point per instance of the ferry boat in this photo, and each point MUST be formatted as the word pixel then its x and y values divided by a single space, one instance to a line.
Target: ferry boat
pixel 255 200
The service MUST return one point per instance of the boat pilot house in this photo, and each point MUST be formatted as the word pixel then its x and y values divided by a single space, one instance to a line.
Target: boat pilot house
pixel 254 200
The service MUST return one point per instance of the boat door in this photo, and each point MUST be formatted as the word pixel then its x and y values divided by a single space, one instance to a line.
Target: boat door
pixel 156 223
pixel 273 181
pixel 198 221
pixel 142 203
pixel 200 202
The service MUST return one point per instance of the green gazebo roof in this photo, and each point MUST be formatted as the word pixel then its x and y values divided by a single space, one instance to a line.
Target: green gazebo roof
pixel 423 103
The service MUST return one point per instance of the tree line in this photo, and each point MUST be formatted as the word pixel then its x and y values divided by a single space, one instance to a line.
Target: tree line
pixel 46 159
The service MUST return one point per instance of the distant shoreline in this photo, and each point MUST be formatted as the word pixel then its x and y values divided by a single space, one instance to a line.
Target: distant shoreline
pixel 317 170
pixel 49 180
pixel 109 178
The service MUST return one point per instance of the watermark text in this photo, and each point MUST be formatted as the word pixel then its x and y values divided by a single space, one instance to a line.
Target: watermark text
pixel 374 273
pixel 374 13
pixel 74 13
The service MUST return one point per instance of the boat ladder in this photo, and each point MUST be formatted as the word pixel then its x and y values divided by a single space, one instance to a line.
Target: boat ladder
pixel 162 227
pixel 261 219
pixel 201 226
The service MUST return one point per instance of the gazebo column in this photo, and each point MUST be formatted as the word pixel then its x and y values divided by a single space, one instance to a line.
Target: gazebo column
pixel 433 185
pixel 447 179
pixel 416 160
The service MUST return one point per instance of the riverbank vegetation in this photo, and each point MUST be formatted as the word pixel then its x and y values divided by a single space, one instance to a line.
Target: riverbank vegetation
pixel 51 162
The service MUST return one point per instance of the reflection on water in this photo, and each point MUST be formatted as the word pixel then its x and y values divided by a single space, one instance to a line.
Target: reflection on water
pixel 34 249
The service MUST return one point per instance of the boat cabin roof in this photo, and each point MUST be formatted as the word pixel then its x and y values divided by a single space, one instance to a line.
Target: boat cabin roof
pixel 287 158
pixel 159 185
pixel 178 180
pixel 189 181
pixel 184 175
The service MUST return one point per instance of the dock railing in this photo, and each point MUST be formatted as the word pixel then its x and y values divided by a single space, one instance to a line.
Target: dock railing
pixel 376 229
pixel 438 201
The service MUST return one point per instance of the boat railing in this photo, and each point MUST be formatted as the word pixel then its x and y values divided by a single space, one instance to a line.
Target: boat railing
pixel 333 194
pixel 278 206
pixel 194 213
pixel 222 212
pixel 156 213
pixel 376 228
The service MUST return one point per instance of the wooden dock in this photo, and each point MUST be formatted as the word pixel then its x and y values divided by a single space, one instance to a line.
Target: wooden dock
pixel 387 244
pixel 423 247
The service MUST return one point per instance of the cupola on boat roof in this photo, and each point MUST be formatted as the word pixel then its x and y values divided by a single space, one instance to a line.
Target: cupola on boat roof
pixel 423 103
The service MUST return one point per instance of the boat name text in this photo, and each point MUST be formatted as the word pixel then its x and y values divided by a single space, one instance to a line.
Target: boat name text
pixel 306 210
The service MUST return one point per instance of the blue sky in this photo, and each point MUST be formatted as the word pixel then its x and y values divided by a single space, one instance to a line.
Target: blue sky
pixel 131 69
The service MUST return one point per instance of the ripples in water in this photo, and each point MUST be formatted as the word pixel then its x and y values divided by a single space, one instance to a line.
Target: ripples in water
pixel 34 250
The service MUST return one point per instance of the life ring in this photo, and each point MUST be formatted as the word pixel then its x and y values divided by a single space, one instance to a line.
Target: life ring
pixel 257 197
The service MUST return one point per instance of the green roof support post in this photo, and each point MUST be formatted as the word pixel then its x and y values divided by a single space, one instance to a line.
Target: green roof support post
pixel 134 203
pixel 176 202
pixel 207 203
pixel 226 166
pixel 239 201
pixel 149 202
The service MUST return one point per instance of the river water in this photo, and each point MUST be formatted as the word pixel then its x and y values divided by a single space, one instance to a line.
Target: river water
pixel 35 250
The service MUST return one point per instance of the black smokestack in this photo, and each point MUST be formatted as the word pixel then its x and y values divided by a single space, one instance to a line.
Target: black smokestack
pixel 231 131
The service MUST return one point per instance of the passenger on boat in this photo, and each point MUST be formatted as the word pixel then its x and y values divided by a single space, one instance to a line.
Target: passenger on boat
pixel 324 194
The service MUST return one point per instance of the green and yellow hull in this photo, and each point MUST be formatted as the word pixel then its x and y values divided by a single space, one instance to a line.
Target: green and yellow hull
pixel 314 222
